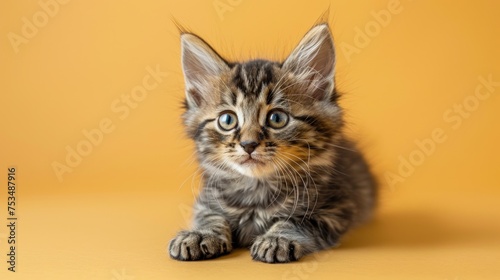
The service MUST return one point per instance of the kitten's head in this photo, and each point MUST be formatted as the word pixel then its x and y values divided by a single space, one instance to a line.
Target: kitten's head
pixel 261 118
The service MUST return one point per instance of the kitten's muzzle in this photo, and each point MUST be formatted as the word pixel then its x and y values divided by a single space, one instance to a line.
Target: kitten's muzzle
pixel 251 161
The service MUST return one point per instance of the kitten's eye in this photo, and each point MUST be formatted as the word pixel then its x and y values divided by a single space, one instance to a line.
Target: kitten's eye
pixel 277 119
pixel 228 120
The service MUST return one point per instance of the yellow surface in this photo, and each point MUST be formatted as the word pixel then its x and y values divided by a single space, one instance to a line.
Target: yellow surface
pixel 110 214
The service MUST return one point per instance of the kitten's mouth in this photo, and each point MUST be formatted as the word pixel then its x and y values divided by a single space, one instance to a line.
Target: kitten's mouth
pixel 251 161
pixel 253 166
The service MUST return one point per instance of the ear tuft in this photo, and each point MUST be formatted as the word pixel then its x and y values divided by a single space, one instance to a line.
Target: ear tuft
pixel 313 62
pixel 200 64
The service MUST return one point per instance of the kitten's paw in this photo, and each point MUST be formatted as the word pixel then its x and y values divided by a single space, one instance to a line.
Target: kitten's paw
pixel 195 245
pixel 274 249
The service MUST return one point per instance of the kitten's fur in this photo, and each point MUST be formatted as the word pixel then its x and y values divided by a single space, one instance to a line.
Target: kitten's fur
pixel 306 184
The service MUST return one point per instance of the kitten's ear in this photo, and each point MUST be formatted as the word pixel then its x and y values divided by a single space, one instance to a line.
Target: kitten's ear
pixel 200 63
pixel 313 62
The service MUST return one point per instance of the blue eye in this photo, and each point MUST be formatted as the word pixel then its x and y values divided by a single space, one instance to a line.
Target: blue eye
pixel 227 120
pixel 277 119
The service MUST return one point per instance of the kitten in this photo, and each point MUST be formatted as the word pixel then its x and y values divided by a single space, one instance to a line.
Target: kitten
pixel 279 175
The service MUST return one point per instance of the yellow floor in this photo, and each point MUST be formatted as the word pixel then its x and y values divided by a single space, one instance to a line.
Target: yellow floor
pixel 124 236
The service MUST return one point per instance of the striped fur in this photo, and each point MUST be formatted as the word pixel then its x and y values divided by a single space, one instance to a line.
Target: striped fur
pixel 302 187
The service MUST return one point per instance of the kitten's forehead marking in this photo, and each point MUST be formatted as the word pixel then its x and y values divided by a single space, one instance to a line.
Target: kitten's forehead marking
pixel 247 109
pixel 252 76
pixel 251 81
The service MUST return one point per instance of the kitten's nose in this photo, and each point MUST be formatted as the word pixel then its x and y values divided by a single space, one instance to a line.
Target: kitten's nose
pixel 249 146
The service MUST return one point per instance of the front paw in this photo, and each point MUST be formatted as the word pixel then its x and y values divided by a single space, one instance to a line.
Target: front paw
pixel 194 245
pixel 275 249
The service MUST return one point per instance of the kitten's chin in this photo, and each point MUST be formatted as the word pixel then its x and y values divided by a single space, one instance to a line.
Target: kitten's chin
pixel 254 168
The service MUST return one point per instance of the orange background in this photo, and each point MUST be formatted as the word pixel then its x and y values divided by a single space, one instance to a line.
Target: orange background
pixel 112 216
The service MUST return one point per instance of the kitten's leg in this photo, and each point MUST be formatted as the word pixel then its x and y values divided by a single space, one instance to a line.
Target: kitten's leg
pixel 210 238
pixel 288 241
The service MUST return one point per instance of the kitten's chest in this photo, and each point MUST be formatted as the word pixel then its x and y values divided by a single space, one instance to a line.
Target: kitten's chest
pixel 252 209
pixel 252 223
pixel 258 217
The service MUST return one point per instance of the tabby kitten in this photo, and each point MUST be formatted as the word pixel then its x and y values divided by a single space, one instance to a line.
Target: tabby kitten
pixel 279 175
